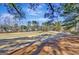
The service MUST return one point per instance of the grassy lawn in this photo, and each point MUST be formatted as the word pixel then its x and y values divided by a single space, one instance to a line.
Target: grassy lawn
pixel 23 34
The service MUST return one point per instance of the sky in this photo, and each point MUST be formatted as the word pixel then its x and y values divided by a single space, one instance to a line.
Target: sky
pixel 37 15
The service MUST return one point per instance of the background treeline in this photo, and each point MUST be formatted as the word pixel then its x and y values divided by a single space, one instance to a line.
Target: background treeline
pixel 31 26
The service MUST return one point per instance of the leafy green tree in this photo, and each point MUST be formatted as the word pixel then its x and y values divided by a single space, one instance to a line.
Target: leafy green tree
pixel 35 25
pixel 29 25
pixel 46 26
pixel 71 14
pixel 57 26
pixel 23 28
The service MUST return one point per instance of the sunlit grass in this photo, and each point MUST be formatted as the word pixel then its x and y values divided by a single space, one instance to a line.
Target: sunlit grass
pixel 23 34
pixel 3 46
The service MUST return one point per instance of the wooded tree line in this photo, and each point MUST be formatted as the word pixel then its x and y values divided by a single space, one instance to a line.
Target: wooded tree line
pixel 31 26
pixel 70 13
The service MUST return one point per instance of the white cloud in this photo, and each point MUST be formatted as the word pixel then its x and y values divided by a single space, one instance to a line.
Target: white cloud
pixel 43 19
pixel 33 13
pixel 40 20
pixel 7 15
pixel 41 6
pixel 7 18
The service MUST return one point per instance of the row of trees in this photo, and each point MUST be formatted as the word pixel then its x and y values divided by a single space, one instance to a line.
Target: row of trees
pixel 71 14
pixel 31 26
